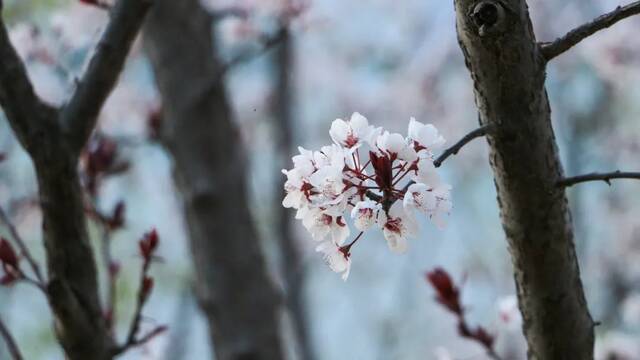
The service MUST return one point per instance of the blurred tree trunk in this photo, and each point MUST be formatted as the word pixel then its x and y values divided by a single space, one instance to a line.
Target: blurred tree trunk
pixel 292 266
pixel 235 292
pixel 508 71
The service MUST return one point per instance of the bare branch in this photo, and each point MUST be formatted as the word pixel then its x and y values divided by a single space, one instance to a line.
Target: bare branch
pixel 10 341
pixel 80 114
pixel 267 42
pixel 17 97
pixel 453 150
pixel 24 250
pixel 606 177
pixel 573 37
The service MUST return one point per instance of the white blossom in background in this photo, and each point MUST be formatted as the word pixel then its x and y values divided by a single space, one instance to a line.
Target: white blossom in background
pixel 381 180
pixel 617 345
pixel 510 341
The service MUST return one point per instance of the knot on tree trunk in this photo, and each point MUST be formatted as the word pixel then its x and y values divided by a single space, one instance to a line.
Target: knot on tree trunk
pixel 488 16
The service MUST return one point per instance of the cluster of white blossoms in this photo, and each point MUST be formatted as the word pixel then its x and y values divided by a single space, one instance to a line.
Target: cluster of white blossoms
pixel 328 185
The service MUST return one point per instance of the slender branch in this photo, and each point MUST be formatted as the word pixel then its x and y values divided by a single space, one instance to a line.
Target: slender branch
pixel 80 114
pixel 10 341
pixel 24 250
pixel 267 42
pixel 148 245
pixel 453 150
pixel 606 177
pixel 573 37
pixel 17 97
pixel 112 278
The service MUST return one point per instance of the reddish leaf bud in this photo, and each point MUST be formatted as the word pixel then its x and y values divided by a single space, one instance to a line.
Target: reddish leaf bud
pixel 117 217
pixel 149 243
pixel 447 293
pixel 8 256
pixel 3 157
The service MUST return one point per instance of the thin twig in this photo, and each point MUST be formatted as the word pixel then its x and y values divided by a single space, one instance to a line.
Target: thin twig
pixel 453 150
pixel 10 341
pixel 573 37
pixel 107 259
pixel 24 250
pixel 606 177
pixel 144 292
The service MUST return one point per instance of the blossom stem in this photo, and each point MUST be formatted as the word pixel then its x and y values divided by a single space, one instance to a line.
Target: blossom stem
pixel 400 178
pixel 347 247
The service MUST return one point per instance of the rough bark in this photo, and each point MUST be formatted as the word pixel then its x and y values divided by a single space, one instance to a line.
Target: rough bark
pixel 236 294
pixel 53 139
pixel 508 71
pixel 292 267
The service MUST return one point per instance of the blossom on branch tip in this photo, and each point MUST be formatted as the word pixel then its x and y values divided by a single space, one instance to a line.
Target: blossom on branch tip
pixel 371 185
pixel 148 244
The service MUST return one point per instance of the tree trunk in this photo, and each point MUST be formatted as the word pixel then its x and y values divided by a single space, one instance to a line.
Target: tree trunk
pixel 235 292
pixel 508 71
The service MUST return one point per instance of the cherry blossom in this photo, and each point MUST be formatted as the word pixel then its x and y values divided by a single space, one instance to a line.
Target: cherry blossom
pixel 353 133
pixel 322 225
pixel 425 138
pixel 337 258
pixel 399 226
pixel 382 191
pixel 395 146
pixel 368 213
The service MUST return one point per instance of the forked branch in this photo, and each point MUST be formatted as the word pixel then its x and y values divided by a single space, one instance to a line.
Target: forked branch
pixel 79 116
pixel 573 37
